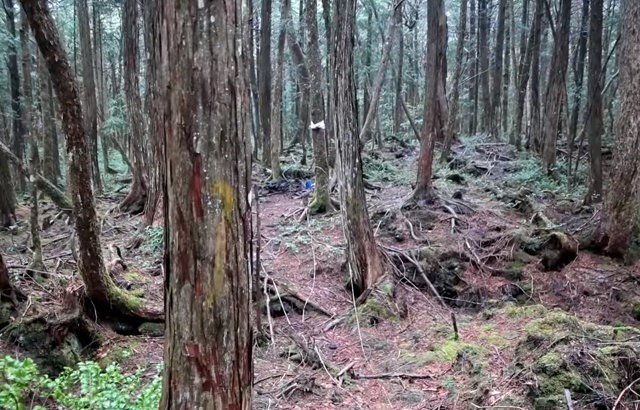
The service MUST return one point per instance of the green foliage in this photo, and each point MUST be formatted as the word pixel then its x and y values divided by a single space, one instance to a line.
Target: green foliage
pixel 87 387
pixel 531 174
pixel 155 239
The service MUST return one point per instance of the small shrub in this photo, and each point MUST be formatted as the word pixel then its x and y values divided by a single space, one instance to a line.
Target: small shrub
pixel 155 239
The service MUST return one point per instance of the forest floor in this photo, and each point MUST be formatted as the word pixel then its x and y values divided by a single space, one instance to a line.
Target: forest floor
pixel 538 324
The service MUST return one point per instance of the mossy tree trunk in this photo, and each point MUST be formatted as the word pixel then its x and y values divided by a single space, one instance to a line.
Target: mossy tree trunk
pixel 105 296
pixel 321 201
pixel 208 344
pixel 435 104
pixel 364 260
pixel 622 206
pixel 7 194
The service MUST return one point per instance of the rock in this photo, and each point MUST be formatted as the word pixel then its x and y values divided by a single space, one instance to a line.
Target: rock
pixel 151 329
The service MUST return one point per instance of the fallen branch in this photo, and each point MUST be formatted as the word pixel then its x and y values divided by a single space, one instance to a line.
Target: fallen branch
pixel 391 376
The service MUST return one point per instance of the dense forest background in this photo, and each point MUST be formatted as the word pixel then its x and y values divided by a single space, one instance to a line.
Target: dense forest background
pixel 394 204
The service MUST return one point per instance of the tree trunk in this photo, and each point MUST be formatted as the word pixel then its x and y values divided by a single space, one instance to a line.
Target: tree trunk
pixel 533 138
pixel 136 199
pixel 594 126
pixel 452 126
pixel 366 62
pixel 578 76
pixel 33 131
pixel 89 87
pixel 264 79
pixel 276 93
pixel 51 161
pixel 7 293
pixel 506 72
pixel 525 69
pixel 18 127
pixel 364 260
pixel 208 345
pixel 435 104
pixel 253 85
pixel 7 194
pixel 555 94
pixel 496 84
pixel 302 79
pixel 394 20
pixel 621 205
pixel 473 72
pixel 100 79
pixel 483 56
pixel 104 295
pixel 397 104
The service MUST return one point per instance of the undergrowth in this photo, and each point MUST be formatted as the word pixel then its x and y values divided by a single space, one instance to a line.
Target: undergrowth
pixel 23 387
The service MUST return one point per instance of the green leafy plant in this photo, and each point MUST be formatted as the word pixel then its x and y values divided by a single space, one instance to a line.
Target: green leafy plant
pixel 86 387
pixel 155 239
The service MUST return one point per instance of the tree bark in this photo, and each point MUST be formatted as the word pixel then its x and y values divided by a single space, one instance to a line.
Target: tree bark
pixel 473 72
pixel 34 132
pixel 506 72
pixel 256 130
pixel 276 137
pixel 264 79
pixel 208 345
pixel 364 260
pixel 397 104
pixel 533 137
pixel 435 104
pixel 89 106
pixel 496 84
pixel 136 199
pixel 622 206
pixel 18 127
pixel 100 289
pixel 555 94
pixel 51 161
pixel 7 194
pixel 594 126
pixel 483 57
pixel 452 126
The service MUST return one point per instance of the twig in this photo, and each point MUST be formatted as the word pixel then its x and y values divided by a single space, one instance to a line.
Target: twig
pixel 615 405
pixel 345 369
pixel 391 376
pixel 267 301
pixel 567 398
pixel 325 367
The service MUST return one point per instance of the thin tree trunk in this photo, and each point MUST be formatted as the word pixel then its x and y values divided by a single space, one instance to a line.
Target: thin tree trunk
pixel 7 194
pixel 89 106
pixel 555 94
pixel 435 104
pixel 452 126
pixel 506 73
pixel 105 296
pixel 137 197
pixel 264 79
pixel 594 126
pixel 364 260
pixel 33 131
pixel 100 81
pixel 18 126
pixel 622 207
pixel 397 105
pixel 253 84
pixel 483 56
pixel 533 138
pixel 473 72
pixel 366 62
pixel 276 137
pixel 496 84
pixel 51 161
pixel 208 344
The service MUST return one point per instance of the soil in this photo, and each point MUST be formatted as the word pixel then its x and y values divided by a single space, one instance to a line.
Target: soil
pixel 519 325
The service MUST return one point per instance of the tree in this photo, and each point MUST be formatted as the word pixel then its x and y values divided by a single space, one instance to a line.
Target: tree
pixel 397 102
pixel 473 68
pixel 90 107
pixel 594 126
pixel 264 80
pixel 364 260
pixel 18 128
pixel 51 160
pixel 435 104
pixel 276 136
pixel 496 84
pixel 136 199
pixel 533 137
pixel 208 359
pixel 622 205
pixel 321 202
pixel 555 95
pixel 483 59
pixel 104 295
pixel 7 194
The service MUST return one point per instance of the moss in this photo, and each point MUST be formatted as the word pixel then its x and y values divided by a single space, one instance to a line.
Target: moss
pixel 132 276
pixel 549 364
pixel 119 352
pixel 635 311
pixel 554 324
pixel 125 299
pixel 513 271
pixel 151 329
pixel 416 360
pixel 450 349
pixel 529 311
pixel 492 337
pixel 549 402
pixel 373 311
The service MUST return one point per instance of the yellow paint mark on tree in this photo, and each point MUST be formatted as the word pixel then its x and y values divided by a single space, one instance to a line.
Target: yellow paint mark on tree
pixel 223 192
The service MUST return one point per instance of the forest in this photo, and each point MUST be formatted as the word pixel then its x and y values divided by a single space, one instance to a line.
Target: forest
pixel 320 204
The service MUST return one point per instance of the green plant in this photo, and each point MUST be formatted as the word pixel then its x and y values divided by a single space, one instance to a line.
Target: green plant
pixel 86 387
pixel 155 239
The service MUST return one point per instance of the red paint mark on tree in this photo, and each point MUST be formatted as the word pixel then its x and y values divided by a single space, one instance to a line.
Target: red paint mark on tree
pixel 198 286
pixel 202 366
pixel 196 188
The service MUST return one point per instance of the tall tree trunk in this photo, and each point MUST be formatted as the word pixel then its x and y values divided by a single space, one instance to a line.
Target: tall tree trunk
pixel 397 104
pixel 622 206
pixel 555 94
pixel 136 199
pixel 7 194
pixel 578 76
pixel 496 84
pixel 18 126
pixel 89 106
pixel 100 289
pixel 253 84
pixel 302 94
pixel 264 79
pixel 483 57
pixel 506 73
pixel 364 260
pixel 366 62
pixel 435 104
pixel 533 137
pixel 6 289
pixel 594 126
pixel 452 126
pixel 100 80
pixel 473 65
pixel 51 161
pixel 394 20
pixel 33 131
pixel 276 136
pixel 208 359
pixel 321 201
